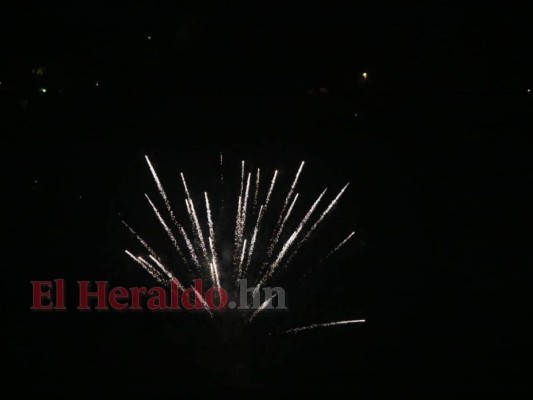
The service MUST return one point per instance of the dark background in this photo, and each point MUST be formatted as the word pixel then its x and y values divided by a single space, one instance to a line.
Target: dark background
pixel 434 144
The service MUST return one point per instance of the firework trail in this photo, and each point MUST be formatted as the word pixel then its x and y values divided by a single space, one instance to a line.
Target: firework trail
pixel 285 204
pixel 265 304
pixel 172 215
pixel 209 218
pixel 256 188
pixel 293 186
pixel 241 220
pixel 165 198
pixel 239 273
pixel 242 178
pixel 212 241
pixel 202 300
pixel 297 231
pixel 166 228
pixel 198 229
pixel 173 278
pixel 163 268
pixel 189 212
pixel 254 238
pixel 335 200
pixel 160 188
pixel 151 270
pixel 340 245
pixel 242 224
pixel 185 187
pixel 282 225
pixel 194 217
pixel 289 242
pixel 322 216
pixel 190 247
pixel 269 193
pixel 327 324
pixel 244 208
pixel 150 266
pixel 140 239
pixel 206 257
pixel 214 266
pixel 238 226
pixel 173 238
pixel 237 230
pixel 262 212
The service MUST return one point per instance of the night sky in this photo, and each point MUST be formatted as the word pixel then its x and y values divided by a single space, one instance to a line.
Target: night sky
pixel 425 108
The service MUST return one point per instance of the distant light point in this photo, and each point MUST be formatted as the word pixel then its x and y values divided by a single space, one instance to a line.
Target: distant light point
pixel 38 71
pixel 97 83
pixel 364 75
pixel 42 90
pixel 529 90
pixel 149 37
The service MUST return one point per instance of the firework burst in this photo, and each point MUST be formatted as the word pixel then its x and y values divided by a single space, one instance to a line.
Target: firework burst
pixel 197 243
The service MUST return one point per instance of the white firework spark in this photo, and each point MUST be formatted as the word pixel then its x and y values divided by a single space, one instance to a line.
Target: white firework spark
pixel 241 215
pixel 163 268
pixel 185 187
pixel 212 241
pixel 202 300
pixel 165 227
pixel 160 187
pixel 140 239
pixel 237 229
pixel 265 304
pixel 293 186
pixel 285 204
pixel 282 225
pixel 322 216
pixel 244 208
pixel 150 267
pixel 172 215
pixel 242 178
pixel 239 274
pixel 196 224
pixel 257 177
pixel 204 252
pixel 326 324
pixel 254 238
pixel 198 230
pixel 335 200
pixel 163 194
pixel 340 244
pixel 151 270
pixel 214 266
pixel 272 183
pixel 289 242
pixel 190 247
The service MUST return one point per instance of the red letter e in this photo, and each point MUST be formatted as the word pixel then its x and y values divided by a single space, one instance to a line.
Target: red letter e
pixel 39 295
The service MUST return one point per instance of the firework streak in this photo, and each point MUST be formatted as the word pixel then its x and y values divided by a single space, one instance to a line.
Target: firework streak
pixel 197 244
